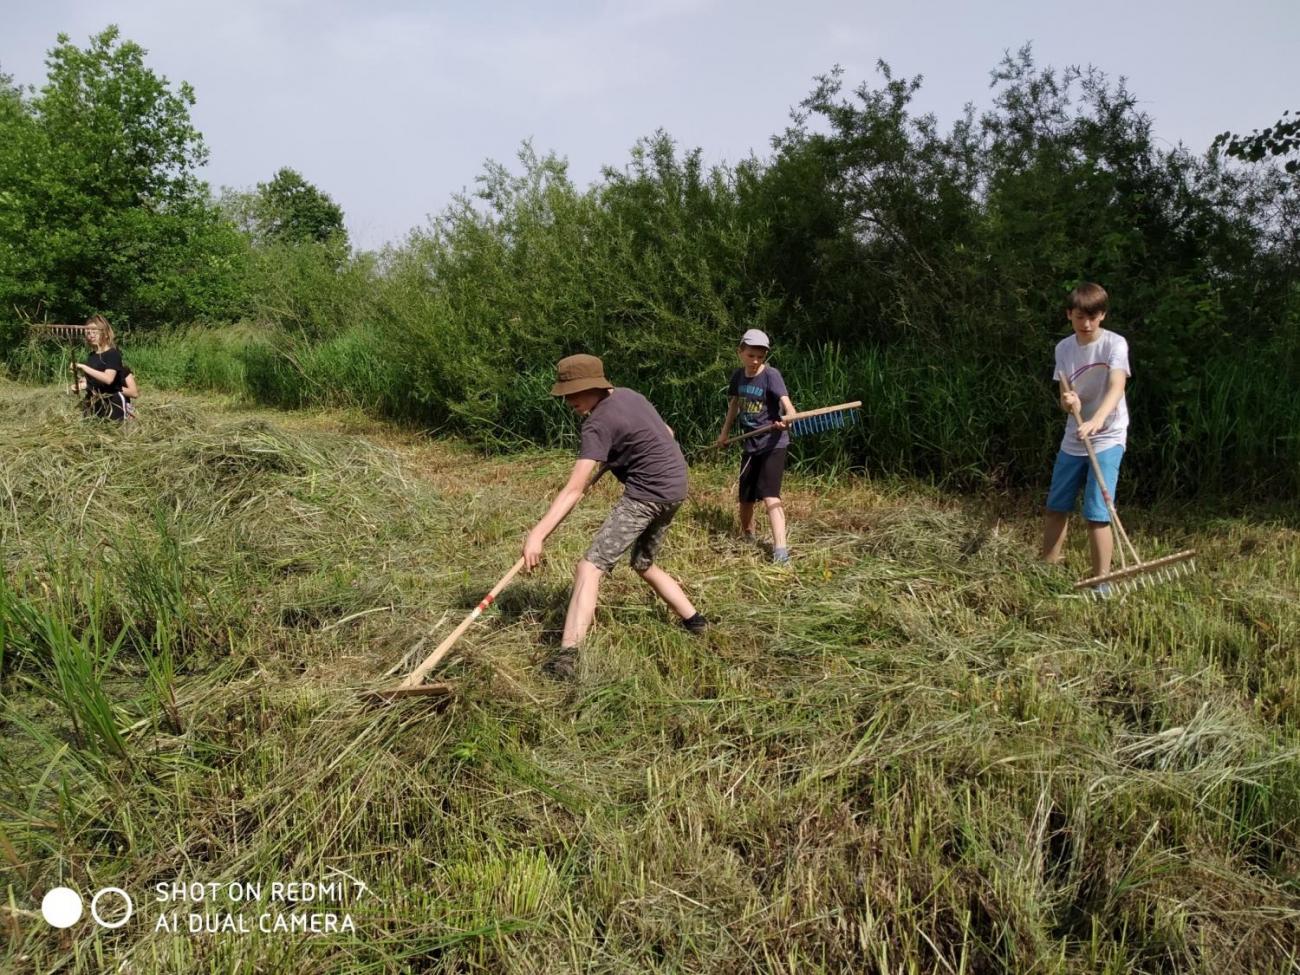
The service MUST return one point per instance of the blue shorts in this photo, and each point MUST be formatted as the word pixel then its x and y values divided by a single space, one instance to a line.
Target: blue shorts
pixel 1072 473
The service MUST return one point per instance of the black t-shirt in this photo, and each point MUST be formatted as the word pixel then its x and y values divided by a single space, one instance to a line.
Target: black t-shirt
pixel 627 432
pixel 108 359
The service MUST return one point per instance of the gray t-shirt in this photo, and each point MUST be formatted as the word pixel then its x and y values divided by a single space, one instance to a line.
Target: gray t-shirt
pixel 626 431
pixel 1088 367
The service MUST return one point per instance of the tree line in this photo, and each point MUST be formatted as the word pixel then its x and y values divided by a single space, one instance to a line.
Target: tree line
pixel 920 268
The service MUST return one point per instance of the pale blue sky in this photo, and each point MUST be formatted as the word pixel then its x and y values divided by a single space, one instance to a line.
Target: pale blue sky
pixel 391 106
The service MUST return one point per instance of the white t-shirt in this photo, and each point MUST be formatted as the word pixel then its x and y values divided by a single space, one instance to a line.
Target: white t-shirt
pixel 1088 368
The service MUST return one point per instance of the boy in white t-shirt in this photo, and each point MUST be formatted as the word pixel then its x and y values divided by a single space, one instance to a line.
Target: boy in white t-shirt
pixel 1096 362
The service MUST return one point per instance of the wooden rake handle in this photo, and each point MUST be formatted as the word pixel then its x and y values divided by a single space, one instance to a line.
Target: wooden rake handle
pixel 416 676
pixel 1101 481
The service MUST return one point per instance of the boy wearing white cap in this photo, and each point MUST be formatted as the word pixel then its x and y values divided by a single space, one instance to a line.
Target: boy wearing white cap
pixel 757 395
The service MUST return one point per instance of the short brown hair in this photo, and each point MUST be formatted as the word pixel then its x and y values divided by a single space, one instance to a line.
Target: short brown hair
pixel 1089 298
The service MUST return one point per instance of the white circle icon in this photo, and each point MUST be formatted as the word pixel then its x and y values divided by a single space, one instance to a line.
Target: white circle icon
pixel 94 907
pixel 61 907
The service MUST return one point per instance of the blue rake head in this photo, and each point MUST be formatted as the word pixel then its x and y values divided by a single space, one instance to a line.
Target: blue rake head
pixel 823 421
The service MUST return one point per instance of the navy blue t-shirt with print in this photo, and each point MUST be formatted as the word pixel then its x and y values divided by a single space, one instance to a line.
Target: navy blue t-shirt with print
pixel 760 405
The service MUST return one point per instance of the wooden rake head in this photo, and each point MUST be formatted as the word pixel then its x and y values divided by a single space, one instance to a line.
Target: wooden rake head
pixel 1142 575
pixel 392 694
pixel 50 332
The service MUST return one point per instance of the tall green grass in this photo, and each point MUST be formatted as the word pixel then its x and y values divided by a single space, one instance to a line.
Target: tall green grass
pixel 69 655
pixel 957 421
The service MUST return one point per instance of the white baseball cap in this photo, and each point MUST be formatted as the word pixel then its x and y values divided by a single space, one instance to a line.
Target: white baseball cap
pixel 757 338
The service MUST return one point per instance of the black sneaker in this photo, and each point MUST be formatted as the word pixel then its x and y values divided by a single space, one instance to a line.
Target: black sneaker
pixel 562 665
pixel 696 624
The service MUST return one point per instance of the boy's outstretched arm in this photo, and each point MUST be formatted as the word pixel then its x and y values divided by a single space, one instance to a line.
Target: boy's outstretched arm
pixel 1114 392
pixel 563 503
pixel 733 408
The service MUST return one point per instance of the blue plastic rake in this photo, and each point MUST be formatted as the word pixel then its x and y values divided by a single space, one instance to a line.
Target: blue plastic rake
pixel 824 421
pixel 811 421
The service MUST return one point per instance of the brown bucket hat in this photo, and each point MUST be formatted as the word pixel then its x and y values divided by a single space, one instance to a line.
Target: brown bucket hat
pixel 578 372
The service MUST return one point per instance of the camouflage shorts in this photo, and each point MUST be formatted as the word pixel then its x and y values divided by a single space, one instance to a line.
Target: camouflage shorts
pixel 639 525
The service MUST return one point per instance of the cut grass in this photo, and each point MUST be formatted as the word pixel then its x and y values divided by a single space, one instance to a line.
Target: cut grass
pixel 912 751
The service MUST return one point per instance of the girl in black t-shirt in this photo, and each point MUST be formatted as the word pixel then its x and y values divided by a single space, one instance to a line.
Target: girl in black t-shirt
pixel 102 372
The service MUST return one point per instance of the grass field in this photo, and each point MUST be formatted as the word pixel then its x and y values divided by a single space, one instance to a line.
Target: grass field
pixel 913 751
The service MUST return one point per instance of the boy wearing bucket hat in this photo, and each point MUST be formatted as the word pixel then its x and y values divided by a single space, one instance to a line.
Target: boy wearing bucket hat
pixel 624 431
pixel 757 395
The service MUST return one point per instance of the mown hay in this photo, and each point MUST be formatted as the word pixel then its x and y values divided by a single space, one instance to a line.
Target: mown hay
pixel 913 748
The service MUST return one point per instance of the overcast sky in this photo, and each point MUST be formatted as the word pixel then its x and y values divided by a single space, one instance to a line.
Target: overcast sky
pixel 391 106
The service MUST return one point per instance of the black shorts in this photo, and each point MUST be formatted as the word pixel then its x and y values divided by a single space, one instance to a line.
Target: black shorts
pixel 760 475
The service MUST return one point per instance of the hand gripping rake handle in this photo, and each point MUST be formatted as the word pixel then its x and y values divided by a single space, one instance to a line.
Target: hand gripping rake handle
pixel 790 420
pixel 413 685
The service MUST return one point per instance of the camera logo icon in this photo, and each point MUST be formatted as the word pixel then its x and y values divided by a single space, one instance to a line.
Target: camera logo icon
pixel 62 907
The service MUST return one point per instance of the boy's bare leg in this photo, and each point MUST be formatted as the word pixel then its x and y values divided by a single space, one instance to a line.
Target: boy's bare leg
pixel 1054 526
pixel 582 603
pixel 1101 542
pixel 667 589
pixel 747 517
pixel 776 518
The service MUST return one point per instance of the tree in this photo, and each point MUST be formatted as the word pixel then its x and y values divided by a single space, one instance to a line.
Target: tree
pixel 107 212
pixel 1280 139
pixel 288 210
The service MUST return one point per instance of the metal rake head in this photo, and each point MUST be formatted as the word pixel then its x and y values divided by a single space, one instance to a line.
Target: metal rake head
pixel 823 421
